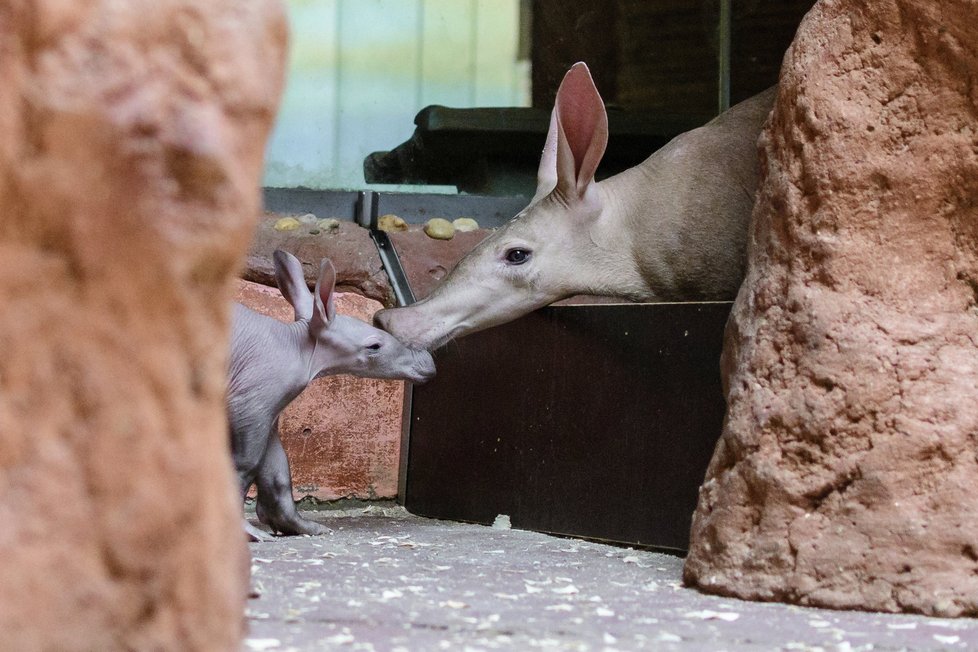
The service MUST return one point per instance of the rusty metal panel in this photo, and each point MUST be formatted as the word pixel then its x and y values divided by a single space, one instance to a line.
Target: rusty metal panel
pixel 585 420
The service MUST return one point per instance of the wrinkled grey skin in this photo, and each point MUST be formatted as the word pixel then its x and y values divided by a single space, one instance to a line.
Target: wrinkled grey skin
pixel 272 362
pixel 672 228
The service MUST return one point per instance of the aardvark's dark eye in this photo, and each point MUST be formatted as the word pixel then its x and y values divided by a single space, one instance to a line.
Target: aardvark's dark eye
pixel 517 256
pixel 374 347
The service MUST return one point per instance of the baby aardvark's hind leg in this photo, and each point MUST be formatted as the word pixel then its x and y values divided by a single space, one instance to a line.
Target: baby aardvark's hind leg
pixel 254 534
pixel 248 452
pixel 276 507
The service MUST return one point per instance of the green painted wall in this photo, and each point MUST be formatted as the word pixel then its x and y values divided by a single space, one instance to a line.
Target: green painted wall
pixel 360 70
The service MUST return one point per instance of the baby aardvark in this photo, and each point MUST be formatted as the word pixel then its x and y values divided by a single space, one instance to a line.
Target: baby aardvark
pixel 272 362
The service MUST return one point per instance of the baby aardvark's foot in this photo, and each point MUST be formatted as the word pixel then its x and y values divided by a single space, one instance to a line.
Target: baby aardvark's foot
pixel 255 534
pixel 299 525
pixel 282 517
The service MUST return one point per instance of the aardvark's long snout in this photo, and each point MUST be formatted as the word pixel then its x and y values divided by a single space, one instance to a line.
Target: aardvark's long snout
pixel 383 319
pixel 403 325
pixel 411 325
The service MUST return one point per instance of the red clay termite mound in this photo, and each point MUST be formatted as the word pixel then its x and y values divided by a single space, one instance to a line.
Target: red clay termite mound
pixel 131 143
pixel 847 474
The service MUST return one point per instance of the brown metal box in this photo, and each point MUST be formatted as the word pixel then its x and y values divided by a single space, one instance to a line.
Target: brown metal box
pixel 595 421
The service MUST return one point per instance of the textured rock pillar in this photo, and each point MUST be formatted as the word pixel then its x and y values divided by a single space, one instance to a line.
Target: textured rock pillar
pixel 131 142
pixel 846 475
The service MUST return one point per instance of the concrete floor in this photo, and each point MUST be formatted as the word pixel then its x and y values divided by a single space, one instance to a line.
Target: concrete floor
pixel 385 580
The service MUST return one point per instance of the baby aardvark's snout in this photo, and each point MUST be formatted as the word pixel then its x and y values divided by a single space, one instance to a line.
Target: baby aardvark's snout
pixel 424 367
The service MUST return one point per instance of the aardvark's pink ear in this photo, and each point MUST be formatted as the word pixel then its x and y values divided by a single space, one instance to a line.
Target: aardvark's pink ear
pixel 324 309
pixel 579 129
pixel 292 283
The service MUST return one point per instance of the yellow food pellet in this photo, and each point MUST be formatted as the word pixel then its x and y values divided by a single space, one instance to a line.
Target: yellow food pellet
pixel 439 229
pixel 465 224
pixel 286 224
pixel 391 223
pixel 329 224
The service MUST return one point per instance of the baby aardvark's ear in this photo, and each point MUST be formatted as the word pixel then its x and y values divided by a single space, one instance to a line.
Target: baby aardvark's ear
pixel 324 308
pixel 292 283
